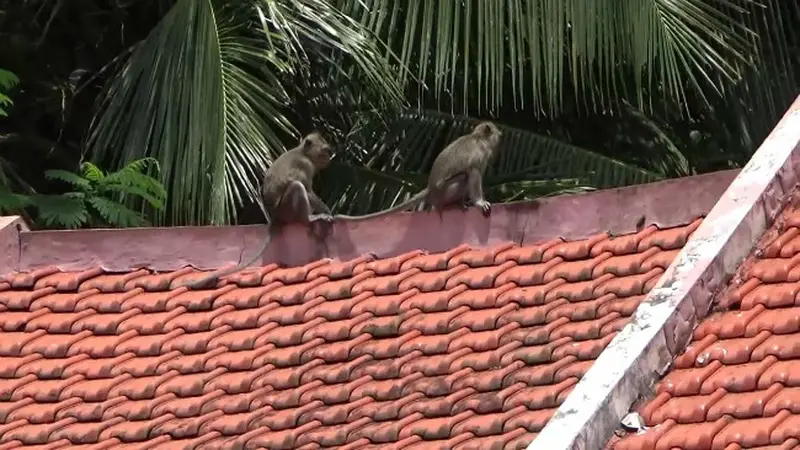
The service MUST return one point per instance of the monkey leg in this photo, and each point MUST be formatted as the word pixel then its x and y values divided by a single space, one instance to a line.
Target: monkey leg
pixel 319 209
pixel 452 192
pixel 475 187
pixel 294 206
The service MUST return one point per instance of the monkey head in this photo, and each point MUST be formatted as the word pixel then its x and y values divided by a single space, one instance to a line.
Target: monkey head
pixel 488 132
pixel 317 149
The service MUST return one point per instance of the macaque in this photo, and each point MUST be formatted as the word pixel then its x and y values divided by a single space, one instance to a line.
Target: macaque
pixel 456 177
pixel 287 195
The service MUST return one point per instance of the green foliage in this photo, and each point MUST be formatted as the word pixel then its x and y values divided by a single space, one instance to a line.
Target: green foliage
pixel 473 52
pixel 95 199
pixel 7 82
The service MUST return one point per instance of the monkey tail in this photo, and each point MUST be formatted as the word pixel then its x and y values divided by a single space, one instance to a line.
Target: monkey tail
pixel 212 279
pixel 413 201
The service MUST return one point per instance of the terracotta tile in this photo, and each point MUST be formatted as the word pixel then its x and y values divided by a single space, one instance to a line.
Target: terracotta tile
pixel 528 274
pixel 690 355
pixel 633 285
pixel 108 283
pixel 431 281
pixel 786 431
pixel 66 281
pixel 733 351
pixel 623 245
pixel 481 257
pixel 26 280
pixel 435 301
pixel 782 346
pixel 749 433
pixel 22 300
pixel 387 266
pixel 433 262
pixel 384 285
pixel 730 324
pixel 692 435
pixel 773 270
pixel 622 266
pixel 479 278
pixel 575 271
pixel 291 294
pixel 661 259
pixel 777 321
pixel 771 295
pixel 683 382
pixel 738 378
pixel 646 440
pixel 774 248
pixel 527 254
pixel 670 238
pixel 471 348
pixel 528 296
pixel 575 249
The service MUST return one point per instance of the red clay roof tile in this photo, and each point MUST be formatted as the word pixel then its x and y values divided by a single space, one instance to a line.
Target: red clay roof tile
pixel 468 349
pixel 737 385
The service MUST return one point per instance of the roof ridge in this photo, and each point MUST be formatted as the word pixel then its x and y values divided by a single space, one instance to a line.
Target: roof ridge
pixel 617 211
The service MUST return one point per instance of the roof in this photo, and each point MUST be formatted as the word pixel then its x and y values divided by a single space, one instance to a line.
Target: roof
pixel 470 348
pixel 713 366
pixel 736 385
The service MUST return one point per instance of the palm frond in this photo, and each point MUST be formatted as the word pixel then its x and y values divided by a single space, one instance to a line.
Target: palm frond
pixel 208 88
pixel 474 53
pixel 396 166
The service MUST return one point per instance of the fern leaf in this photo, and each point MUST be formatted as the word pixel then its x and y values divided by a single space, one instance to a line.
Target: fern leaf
pixel 68 177
pixel 7 79
pixel 157 202
pixel 61 210
pixel 11 203
pixel 92 173
pixel 116 214
pixel 132 175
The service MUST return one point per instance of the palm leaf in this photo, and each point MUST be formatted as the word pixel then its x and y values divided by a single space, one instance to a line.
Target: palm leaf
pixel 478 51
pixel 384 173
pixel 208 87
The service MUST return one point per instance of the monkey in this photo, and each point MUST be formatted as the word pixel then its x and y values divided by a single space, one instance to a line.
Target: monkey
pixel 287 195
pixel 456 177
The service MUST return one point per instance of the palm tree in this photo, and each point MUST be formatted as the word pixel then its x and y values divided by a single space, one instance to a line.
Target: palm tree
pixel 217 88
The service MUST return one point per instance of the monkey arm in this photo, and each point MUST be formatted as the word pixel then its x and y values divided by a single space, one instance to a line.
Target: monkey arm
pixel 475 186
pixel 413 201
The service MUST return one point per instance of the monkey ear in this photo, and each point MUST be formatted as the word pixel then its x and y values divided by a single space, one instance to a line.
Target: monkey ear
pixel 306 144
